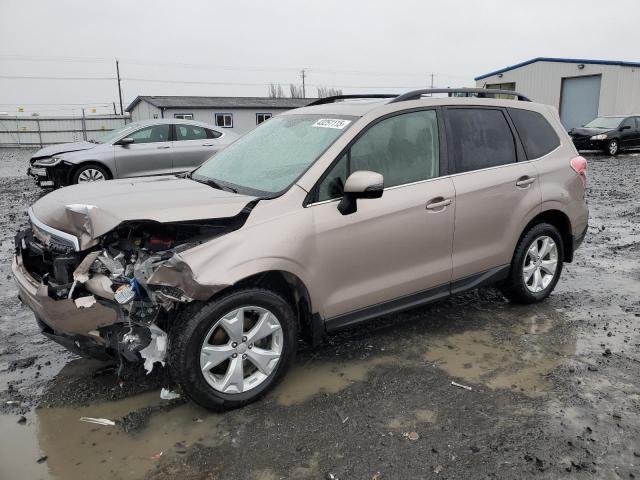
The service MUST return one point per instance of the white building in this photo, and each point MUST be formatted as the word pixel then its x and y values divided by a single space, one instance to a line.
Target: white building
pixel 580 89
pixel 239 114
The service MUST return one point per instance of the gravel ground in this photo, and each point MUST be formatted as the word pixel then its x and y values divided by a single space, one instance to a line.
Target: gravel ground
pixel 554 387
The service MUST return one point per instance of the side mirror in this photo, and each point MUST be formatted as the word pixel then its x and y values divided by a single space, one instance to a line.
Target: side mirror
pixel 126 141
pixel 625 127
pixel 360 184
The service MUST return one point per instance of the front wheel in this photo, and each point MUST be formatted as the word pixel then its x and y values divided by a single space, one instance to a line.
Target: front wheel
pixel 536 265
pixel 231 351
pixel 90 173
pixel 613 147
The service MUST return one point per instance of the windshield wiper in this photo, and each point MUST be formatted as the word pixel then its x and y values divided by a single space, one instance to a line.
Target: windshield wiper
pixel 212 183
pixel 92 141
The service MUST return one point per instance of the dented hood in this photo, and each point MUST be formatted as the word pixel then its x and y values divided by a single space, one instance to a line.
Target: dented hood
pixel 93 209
pixel 62 148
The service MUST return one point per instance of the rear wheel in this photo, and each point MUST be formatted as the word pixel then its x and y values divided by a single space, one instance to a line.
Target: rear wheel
pixel 90 173
pixel 536 265
pixel 613 147
pixel 231 351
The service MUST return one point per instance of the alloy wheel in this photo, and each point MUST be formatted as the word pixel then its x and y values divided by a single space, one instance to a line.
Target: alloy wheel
pixel 241 350
pixel 613 147
pixel 540 264
pixel 91 175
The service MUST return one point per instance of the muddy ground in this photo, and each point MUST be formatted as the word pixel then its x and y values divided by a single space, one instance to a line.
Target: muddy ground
pixel 554 388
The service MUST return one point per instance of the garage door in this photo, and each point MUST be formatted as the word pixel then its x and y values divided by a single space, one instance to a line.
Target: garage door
pixel 579 100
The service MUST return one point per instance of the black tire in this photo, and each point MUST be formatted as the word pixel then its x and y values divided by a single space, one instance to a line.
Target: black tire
pixel 89 166
pixel 613 147
pixel 514 286
pixel 188 332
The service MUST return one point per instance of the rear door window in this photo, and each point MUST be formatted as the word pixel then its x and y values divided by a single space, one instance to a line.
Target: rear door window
pixel 537 136
pixel 190 132
pixel 479 138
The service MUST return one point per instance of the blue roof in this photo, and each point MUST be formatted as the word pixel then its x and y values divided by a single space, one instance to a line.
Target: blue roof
pixel 560 60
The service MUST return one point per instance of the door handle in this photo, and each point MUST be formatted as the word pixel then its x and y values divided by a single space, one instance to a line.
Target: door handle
pixel 438 203
pixel 524 182
pixel 207 144
pixel 163 146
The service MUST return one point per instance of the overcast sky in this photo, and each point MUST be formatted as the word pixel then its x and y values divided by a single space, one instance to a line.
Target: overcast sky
pixel 240 46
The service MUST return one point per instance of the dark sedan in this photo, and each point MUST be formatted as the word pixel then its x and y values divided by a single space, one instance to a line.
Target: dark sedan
pixel 610 134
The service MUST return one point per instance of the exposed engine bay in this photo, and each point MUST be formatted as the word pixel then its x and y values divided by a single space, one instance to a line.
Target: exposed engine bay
pixel 135 270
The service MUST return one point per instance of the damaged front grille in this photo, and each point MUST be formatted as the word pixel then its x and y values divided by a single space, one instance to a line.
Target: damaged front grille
pixel 53 263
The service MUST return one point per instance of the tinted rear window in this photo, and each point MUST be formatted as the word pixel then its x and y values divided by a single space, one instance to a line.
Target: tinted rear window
pixel 538 137
pixel 480 138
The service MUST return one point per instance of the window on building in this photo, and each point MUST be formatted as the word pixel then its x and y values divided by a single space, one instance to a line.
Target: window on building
pixel 261 117
pixel 190 132
pixel 503 86
pixel 403 148
pixel 224 120
pixel 153 134
pixel 479 138
pixel 183 116
pixel 537 136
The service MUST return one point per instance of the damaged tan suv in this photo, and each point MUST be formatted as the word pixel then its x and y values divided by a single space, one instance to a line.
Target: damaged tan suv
pixel 320 218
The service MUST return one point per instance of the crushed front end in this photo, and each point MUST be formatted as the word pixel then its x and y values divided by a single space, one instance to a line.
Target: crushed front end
pixel 114 299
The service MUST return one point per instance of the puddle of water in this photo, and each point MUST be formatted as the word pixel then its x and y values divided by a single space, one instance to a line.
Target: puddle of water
pixel 410 422
pixel 78 450
pixel 305 381
pixel 521 359
pixel 20 446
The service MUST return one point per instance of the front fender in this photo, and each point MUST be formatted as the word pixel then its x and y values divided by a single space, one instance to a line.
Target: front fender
pixel 262 247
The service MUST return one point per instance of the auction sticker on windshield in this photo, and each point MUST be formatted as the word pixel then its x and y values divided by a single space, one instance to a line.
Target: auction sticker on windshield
pixel 332 123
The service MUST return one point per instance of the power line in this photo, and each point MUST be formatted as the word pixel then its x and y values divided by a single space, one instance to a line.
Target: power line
pixel 131 61
pixel 196 82
pixel 43 77
pixel 48 58
pixel 246 84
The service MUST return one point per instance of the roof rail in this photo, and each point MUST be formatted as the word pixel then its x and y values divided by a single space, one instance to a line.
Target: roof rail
pixel 479 92
pixel 335 98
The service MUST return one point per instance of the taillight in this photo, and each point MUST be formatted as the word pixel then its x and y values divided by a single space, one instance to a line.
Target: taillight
pixel 579 164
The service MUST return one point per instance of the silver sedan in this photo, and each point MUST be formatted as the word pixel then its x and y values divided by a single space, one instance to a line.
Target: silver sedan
pixel 153 147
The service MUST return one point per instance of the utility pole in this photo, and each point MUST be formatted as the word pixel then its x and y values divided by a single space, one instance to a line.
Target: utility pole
pixel 119 87
pixel 303 74
pixel 84 126
pixel 432 80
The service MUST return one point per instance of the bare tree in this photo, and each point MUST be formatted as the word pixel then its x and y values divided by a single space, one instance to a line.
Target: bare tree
pixel 295 90
pixel 324 92
pixel 276 91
